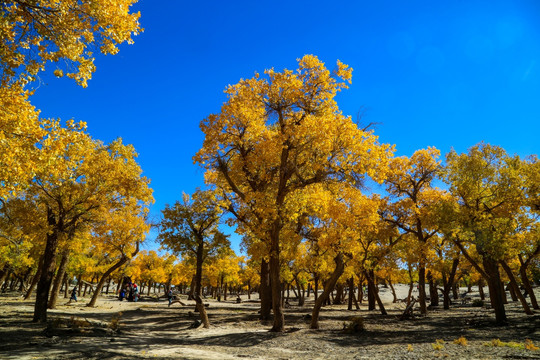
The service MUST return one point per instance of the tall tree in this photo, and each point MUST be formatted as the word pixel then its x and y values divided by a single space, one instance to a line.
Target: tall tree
pixel 410 183
pixel 276 136
pixel 190 228
pixel 84 176
pixel 487 187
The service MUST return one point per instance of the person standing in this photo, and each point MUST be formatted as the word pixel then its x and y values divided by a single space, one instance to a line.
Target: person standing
pixel 170 295
pixel 73 295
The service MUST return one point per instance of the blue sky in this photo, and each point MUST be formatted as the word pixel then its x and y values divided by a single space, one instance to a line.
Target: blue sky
pixel 429 73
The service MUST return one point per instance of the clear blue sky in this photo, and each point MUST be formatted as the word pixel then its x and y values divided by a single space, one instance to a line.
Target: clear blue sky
pixel 432 74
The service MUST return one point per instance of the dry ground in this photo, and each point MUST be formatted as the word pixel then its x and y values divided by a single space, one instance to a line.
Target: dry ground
pixel 151 329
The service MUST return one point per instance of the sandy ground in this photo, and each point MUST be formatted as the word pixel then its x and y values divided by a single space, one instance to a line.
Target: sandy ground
pixel 151 329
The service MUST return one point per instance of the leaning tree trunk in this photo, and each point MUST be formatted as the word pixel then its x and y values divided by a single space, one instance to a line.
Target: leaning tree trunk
pixel 514 285
pixel 47 273
pixel 329 287
pixel 490 272
pixel 393 291
pixel 35 279
pixel 58 279
pixel 3 274
pixel 512 291
pixel 525 279
pixel 101 282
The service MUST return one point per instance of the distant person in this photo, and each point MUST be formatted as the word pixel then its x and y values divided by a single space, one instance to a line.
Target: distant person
pixel 73 295
pixel 135 293
pixel 122 294
pixel 170 295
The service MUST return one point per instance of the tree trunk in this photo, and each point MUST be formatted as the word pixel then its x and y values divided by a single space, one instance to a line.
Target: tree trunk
pixel 35 279
pixel 512 291
pixel 24 279
pixel 198 291
pixel 526 282
pixel 393 291
pixel 49 266
pixel 371 284
pixel 338 300
pixel 505 299
pixel 101 282
pixel 329 286
pixel 3 274
pixel 265 291
pixel 496 289
pixel 58 280
pixel 411 285
pixel 66 285
pixel 275 281
pixel 79 284
pixel 481 289
pixel 301 292
pixel 434 297
pixel 371 290
pixel 514 285
pixel 351 293
pixel 316 290
pixel 455 292
pixel 360 291
pixel 422 286
pixel 447 284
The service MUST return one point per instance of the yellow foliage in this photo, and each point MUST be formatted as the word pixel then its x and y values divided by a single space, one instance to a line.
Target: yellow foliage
pixel 529 345
pixel 461 341
pixel 33 33
pixel 19 131
pixel 438 345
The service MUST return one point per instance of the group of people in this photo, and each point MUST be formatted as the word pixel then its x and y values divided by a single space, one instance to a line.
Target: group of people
pixel 129 291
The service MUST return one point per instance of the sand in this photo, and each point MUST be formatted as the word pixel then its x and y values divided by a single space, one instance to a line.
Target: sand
pixel 149 329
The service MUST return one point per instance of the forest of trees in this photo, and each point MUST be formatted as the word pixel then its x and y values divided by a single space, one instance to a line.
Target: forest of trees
pixel 319 202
